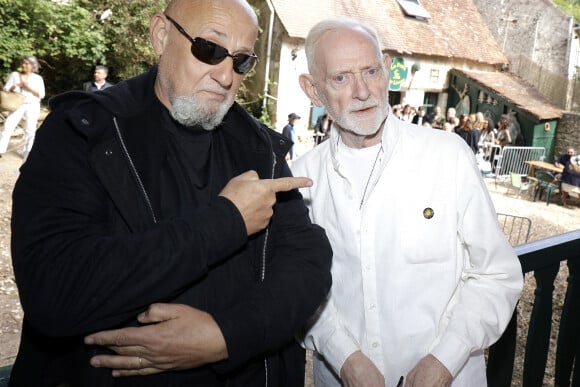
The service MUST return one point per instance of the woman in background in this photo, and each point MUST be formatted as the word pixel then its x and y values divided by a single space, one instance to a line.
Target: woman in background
pixel 486 140
pixel 28 82
pixel 503 137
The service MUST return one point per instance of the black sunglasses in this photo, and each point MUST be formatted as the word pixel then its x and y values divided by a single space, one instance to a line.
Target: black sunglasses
pixel 212 53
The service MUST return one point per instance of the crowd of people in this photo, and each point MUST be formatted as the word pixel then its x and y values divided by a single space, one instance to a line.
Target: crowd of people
pixel 480 133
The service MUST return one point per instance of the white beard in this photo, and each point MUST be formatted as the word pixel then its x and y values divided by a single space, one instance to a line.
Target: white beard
pixel 354 125
pixel 189 111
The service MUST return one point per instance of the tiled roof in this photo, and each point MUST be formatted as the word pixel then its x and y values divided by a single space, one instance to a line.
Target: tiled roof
pixel 516 91
pixel 455 29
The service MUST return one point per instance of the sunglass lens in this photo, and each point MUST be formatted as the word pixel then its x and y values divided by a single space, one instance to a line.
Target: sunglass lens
pixel 208 52
pixel 244 63
pixel 212 53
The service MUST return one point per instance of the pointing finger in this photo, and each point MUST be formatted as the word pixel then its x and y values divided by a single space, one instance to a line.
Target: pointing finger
pixel 290 183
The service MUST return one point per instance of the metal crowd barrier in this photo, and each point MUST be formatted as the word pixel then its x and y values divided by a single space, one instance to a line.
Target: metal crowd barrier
pixel 513 159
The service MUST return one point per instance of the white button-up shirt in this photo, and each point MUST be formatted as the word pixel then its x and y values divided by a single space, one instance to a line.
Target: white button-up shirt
pixel 422 267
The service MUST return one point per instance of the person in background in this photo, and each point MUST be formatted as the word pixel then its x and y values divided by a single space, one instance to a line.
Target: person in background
pixel 421 118
pixel 322 128
pixel 157 232
pixel 100 80
pixel 447 127
pixel 451 115
pixel 397 112
pixel 478 121
pixel 290 133
pixel 423 277
pixel 570 177
pixel 468 133
pixel 487 140
pixel 407 113
pixel 455 123
pixel 28 82
pixel 437 119
pixel 503 137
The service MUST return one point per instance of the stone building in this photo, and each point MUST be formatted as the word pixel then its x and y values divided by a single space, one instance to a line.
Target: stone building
pixel 541 44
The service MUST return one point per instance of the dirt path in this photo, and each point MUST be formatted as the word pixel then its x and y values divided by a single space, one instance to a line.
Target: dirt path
pixel 10 311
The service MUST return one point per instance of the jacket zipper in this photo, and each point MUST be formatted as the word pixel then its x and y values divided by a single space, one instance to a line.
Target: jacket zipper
pixel 134 170
pixel 146 197
pixel 263 272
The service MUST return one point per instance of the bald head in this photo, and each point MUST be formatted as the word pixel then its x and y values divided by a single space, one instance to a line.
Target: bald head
pixel 200 8
pixel 349 77
pixel 197 89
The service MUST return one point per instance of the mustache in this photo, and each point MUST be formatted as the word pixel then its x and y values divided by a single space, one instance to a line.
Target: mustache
pixel 362 105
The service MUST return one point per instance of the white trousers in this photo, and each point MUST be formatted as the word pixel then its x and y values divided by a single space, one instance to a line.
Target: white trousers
pixel 30 112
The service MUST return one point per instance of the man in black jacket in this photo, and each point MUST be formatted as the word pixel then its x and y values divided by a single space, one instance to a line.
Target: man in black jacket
pixel 157 233
pixel 100 80
pixel 421 118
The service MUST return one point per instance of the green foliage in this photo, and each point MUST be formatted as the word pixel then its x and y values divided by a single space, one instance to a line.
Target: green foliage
pixel 127 33
pixel 569 7
pixel 65 38
pixel 70 37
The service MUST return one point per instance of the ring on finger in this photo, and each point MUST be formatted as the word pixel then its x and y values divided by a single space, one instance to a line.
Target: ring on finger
pixel 140 363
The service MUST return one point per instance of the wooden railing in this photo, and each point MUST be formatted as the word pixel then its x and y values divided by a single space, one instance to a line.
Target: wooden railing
pixel 543 258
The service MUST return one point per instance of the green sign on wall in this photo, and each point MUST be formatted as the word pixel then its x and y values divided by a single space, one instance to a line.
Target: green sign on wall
pixel 398 74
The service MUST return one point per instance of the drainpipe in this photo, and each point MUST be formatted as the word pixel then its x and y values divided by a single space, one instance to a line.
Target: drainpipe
pixel 268 55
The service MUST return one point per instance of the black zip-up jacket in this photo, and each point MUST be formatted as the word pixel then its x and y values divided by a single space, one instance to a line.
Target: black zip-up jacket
pixel 90 250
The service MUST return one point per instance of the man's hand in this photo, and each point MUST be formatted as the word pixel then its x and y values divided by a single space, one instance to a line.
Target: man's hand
pixel 178 337
pixel 429 372
pixel 255 198
pixel 359 371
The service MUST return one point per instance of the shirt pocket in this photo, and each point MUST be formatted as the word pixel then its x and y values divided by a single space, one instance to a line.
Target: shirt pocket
pixel 428 233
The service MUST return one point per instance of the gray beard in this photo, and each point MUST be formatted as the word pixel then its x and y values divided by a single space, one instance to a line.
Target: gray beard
pixel 189 111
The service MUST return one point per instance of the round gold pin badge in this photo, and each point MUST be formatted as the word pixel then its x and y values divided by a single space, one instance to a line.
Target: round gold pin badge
pixel 428 213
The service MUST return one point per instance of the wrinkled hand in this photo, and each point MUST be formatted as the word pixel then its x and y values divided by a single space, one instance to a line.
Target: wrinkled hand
pixel 429 372
pixel 359 371
pixel 178 337
pixel 255 198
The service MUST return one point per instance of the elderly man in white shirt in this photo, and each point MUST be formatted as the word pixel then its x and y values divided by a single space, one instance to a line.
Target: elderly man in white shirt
pixel 423 277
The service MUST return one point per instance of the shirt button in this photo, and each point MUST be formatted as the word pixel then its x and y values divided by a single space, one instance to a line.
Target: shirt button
pixel 372 306
pixel 84 121
pixel 375 344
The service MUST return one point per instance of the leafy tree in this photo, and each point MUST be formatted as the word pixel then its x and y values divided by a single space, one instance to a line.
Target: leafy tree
pixel 127 33
pixel 69 37
pixel 569 7
pixel 65 39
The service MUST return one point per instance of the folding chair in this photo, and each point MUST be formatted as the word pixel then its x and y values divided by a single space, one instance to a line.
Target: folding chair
pixel 545 183
pixel 519 182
